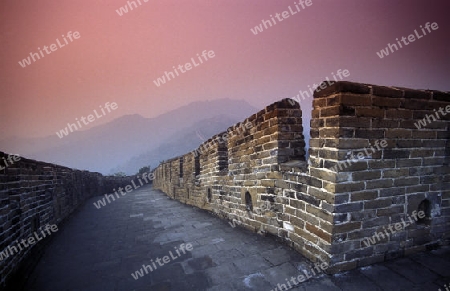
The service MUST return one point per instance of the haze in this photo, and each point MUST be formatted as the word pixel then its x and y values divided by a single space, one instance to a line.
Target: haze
pixel 116 58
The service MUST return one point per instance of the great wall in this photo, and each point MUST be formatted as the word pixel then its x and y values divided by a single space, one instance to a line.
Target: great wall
pixel 34 194
pixel 324 206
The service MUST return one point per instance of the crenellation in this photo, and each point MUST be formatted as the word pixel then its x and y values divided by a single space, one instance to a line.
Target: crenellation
pixel 371 164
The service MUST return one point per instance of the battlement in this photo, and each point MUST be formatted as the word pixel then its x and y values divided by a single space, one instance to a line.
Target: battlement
pixel 376 155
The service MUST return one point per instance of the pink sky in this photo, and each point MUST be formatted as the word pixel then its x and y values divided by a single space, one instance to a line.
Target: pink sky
pixel 117 57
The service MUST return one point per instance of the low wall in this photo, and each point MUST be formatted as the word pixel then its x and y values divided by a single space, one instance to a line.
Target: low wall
pixel 34 194
pixel 370 167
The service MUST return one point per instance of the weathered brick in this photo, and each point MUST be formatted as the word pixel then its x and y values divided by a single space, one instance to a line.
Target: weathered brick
pixel 335 132
pixel 417 94
pixel 364 195
pixel 318 232
pixel 349 207
pixel 308 199
pixel 352 143
pixel 409 163
pixel 369 133
pixel 395 173
pixel 350 121
pixel 305 235
pixel 330 111
pixel 391 210
pixel 370 112
pixel 349 100
pixel 387 102
pixel 347 227
pixel 421 114
pixel 399 114
pixel 323 174
pixel 381 164
pixel 346 187
pixel 409 143
pixel 360 234
pixel 342 86
pixel 395 154
pixel 320 194
pixel 319 102
pixel 387 91
pixel 417 188
pixel 398 133
pixel 417 104
pixel 345 166
pixel 379 221
pixel 392 192
pixel 315 113
pixel 366 175
pixel 406 181
pixel 378 203
pixel 382 183
pixel 300 223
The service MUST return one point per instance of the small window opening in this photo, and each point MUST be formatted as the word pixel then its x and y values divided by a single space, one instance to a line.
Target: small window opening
pixel 424 206
pixel 223 156
pixel 181 167
pixel 209 195
pixel 197 165
pixel 248 202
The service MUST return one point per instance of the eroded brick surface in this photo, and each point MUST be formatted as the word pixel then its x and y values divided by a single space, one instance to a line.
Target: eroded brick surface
pixel 327 205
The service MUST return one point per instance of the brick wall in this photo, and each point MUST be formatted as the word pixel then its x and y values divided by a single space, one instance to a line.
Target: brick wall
pixel 389 184
pixel 325 207
pixel 33 194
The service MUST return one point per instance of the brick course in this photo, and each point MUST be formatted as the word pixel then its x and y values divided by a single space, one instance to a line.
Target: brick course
pixel 33 194
pixel 321 210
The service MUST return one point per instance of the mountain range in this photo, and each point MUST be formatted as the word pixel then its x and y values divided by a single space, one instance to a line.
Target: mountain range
pixel 132 141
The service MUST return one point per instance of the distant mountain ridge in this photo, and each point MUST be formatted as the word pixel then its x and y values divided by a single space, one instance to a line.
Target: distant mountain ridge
pixel 113 145
pixel 185 140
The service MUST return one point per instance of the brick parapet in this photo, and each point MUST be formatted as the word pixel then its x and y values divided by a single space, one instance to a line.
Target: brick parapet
pixel 321 208
pixel 33 194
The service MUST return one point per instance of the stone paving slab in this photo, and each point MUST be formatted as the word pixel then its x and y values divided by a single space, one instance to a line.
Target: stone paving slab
pixel 99 249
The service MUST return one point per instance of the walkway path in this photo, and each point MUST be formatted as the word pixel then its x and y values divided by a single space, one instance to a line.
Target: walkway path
pixel 99 249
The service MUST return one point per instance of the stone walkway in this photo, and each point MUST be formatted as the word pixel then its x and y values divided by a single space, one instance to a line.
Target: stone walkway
pixel 99 249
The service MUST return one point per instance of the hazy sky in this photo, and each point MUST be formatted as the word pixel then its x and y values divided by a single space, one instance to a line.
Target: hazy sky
pixel 116 58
